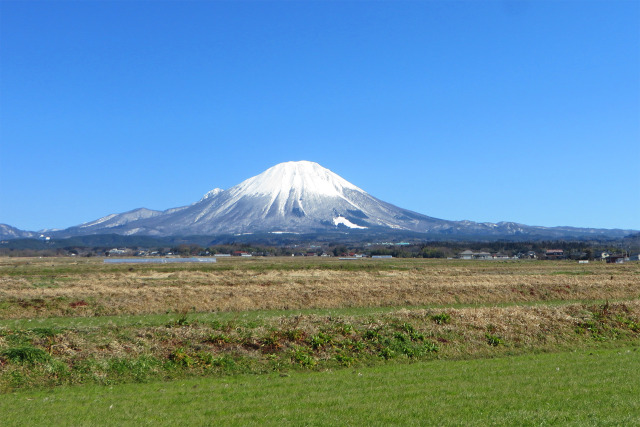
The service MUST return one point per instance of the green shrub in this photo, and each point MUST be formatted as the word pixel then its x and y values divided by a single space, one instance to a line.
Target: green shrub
pixel 181 358
pixel 493 340
pixel 216 324
pixel 431 347
pixel 300 356
pixel 344 329
pixel 411 348
pixel 46 332
pixel 25 354
pixel 344 359
pixel 441 319
pixel 400 337
pixel 182 320
pixel 352 345
pixel 408 328
pixel 219 339
pixel 320 340
pixel 415 336
pixel 629 323
pixel 371 335
pixel 294 334
pixel 270 342
pixel 387 353
pixel 225 362
pixel 18 339
pixel 253 324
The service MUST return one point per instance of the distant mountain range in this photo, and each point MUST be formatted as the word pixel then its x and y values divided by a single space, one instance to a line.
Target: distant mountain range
pixel 301 197
pixel 8 232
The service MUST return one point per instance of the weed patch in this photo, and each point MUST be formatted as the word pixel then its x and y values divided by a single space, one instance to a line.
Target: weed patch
pixel 25 354
pixel 441 319
pixel 493 340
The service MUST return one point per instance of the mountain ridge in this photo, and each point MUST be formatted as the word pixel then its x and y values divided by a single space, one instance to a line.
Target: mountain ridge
pixel 299 197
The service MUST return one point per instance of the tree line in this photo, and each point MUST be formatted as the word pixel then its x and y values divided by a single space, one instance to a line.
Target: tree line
pixel 572 249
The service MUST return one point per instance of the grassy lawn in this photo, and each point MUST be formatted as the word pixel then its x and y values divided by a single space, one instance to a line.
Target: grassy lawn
pixel 596 387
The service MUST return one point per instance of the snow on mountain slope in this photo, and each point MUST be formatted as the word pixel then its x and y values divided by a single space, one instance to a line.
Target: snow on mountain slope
pixel 346 223
pixel 9 232
pixel 212 193
pixel 289 188
pixel 112 221
pixel 297 177
pixel 297 197
pixel 293 196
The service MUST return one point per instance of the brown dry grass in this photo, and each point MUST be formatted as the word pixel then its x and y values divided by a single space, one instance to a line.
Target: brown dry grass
pixel 64 287
pixel 464 335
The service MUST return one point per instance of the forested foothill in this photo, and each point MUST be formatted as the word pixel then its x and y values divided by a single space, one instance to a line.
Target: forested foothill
pixel 345 245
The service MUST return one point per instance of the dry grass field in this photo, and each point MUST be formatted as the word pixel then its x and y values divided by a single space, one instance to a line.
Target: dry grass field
pixel 55 287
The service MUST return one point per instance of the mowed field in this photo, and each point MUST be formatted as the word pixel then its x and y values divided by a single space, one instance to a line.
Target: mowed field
pixel 310 324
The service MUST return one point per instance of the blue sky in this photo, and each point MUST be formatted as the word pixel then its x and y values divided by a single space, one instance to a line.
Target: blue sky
pixel 486 111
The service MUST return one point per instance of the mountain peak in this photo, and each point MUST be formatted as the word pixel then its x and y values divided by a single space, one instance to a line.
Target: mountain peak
pixel 299 177
pixel 212 193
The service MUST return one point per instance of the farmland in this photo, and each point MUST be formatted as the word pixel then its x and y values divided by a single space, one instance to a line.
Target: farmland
pixel 61 287
pixel 78 322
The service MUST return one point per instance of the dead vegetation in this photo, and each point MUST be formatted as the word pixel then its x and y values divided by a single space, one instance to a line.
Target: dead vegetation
pixel 109 354
pixel 59 287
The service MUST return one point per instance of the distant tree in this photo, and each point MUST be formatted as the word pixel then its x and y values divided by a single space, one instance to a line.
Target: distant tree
pixel 432 253
pixel 589 253
pixel 339 250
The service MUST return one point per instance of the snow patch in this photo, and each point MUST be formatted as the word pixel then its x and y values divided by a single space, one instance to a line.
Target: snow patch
pixel 344 221
pixel 212 193
pixel 98 221
pixel 397 227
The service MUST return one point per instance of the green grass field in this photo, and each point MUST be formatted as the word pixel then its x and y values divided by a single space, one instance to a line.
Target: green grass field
pixel 592 387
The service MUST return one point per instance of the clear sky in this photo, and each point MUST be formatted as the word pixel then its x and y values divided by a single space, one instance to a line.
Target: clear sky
pixel 487 111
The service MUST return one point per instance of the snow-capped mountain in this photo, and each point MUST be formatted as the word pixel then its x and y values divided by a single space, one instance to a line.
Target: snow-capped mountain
pixel 115 220
pixel 8 232
pixel 289 197
pixel 303 197
pixel 294 196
